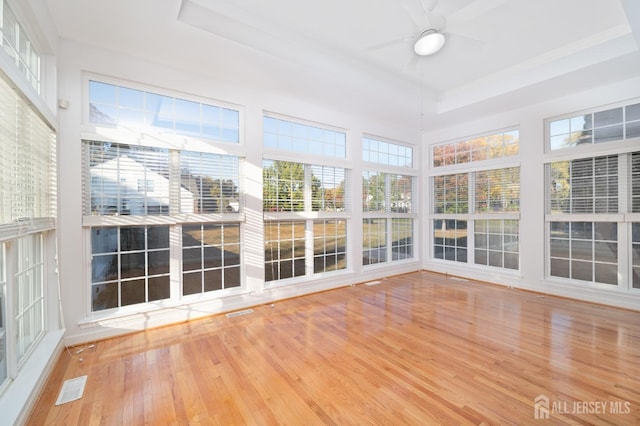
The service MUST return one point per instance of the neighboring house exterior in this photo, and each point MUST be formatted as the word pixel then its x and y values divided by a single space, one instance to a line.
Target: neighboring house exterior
pixel 123 186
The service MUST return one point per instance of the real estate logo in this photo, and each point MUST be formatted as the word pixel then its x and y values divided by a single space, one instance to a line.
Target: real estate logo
pixel 543 407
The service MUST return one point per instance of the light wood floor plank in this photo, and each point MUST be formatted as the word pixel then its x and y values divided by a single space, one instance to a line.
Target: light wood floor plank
pixel 420 348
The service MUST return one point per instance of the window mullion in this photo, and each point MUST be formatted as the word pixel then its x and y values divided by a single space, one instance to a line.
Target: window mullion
pixel 174 182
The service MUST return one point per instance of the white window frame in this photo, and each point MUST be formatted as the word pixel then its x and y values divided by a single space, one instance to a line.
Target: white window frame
pixel 139 136
pixel 307 213
pixel 623 149
pixel 470 168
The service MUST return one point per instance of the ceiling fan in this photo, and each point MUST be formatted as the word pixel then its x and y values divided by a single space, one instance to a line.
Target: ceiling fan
pixel 429 34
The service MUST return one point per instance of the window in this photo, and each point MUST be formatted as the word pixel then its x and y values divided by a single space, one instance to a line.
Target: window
pixel 585 251
pixel 586 214
pixel 129 265
pixel 129 108
pixel 329 245
pixel 210 257
pixel 27 214
pixel 300 189
pixel 327 188
pixel 451 193
pixel 284 243
pixel 401 238
pixel 635 183
pixel 476 214
pixel 635 250
pixel 497 243
pixel 607 125
pixel 18 46
pixel 450 240
pixel 487 147
pixel 387 202
pixel 306 204
pixel 386 153
pixel 29 293
pixel 374 241
pixel 592 202
pixel 291 136
pixel 209 183
pixel 154 212
pixel 587 185
pixel 3 320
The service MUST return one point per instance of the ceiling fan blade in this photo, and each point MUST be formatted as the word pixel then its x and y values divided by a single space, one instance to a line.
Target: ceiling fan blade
pixel 428 5
pixel 388 43
pixel 463 41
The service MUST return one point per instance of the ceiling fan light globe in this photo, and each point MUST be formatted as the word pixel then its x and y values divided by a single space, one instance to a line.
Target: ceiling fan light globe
pixel 429 43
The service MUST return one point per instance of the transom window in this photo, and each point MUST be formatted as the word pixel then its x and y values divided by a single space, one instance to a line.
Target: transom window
pixel 606 125
pixel 18 46
pixel 293 136
pixel 114 105
pixel 487 147
pixel 386 153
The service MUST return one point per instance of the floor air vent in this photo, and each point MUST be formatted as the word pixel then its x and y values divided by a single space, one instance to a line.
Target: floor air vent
pixel 373 283
pixel 238 313
pixel 72 389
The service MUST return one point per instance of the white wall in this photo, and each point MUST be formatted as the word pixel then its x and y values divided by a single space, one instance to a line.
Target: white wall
pixel 532 230
pixel 268 85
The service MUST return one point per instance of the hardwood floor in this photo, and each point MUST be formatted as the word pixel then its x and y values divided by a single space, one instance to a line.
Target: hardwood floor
pixel 418 349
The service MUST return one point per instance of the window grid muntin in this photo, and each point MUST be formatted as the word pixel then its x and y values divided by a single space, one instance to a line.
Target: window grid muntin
pixel 115 105
pixel 285 249
pixel 496 243
pixel 577 252
pixel 401 238
pixel 600 126
pixel 374 240
pixel 292 136
pixel 450 240
pixel 329 245
pixel 29 294
pixel 386 153
pixel 148 247
pixel 211 273
pixel 487 147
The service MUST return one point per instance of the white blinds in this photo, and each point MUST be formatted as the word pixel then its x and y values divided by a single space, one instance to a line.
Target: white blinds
pixel 586 185
pixel 28 167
